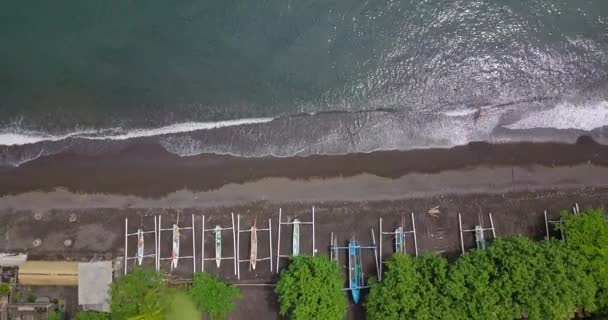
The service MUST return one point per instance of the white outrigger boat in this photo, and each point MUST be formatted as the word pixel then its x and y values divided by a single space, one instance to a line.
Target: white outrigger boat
pixel 175 251
pixel 218 245
pixel 399 240
pixel 253 257
pixel 295 250
pixel 140 246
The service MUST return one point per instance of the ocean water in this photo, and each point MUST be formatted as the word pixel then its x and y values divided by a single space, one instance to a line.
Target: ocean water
pixel 287 78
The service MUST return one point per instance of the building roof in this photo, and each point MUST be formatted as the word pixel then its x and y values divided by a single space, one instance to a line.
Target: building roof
pixel 48 273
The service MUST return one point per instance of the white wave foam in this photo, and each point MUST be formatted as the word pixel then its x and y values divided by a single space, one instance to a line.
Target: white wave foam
pixel 28 137
pixel 566 115
pixel 460 112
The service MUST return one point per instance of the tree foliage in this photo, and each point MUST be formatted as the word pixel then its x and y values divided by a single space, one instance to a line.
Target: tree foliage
pixel 587 233
pixel 412 288
pixel 213 296
pixel 92 315
pixel 513 278
pixel 311 288
pixel 470 287
pixel 137 293
pixel 181 307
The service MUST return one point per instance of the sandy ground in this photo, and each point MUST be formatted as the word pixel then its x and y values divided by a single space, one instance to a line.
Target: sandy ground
pixel 86 199
pixel 99 233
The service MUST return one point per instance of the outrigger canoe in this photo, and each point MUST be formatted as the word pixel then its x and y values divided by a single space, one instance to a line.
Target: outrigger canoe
pixel 175 251
pixel 140 246
pixel 253 257
pixel 296 238
pixel 399 240
pixel 218 245
pixel 354 270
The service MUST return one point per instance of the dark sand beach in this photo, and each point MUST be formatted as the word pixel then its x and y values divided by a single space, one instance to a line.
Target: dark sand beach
pixel 147 170
pixel 514 182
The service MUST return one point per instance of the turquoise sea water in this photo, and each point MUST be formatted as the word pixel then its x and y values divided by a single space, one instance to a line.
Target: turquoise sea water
pixel 69 66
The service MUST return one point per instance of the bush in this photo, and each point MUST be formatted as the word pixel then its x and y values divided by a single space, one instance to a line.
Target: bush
pixel 137 293
pixel 212 295
pixel 181 307
pixel 471 289
pixel 537 280
pixel 5 288
pixel 412 288
pixel 53 315
pixel 92 315
pixel 514 278
pixel 311 288
pixel 587 233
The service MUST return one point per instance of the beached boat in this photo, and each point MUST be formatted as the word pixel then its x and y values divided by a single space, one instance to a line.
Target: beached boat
pixel 218 245
pixel 354 269
pixel 296 238
pixel 140 246
pixel 399 240
pixel 175 251
pixel 479 238
pixel 253 257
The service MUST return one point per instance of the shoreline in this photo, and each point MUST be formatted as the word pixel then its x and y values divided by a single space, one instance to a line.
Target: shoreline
pixel 148 171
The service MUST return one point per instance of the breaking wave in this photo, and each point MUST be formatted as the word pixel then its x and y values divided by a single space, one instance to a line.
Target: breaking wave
pixel 333 133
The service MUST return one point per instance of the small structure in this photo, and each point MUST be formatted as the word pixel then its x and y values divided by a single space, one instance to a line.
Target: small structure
pixel 175 244
pixel 140 254
pixel 478 230
pixel 356 280
pixel 30 311
pixel 94 279
pixel 559 223
pixel 12 260
pixel 253 250
pixel 48 273
pixel 217 236
pixel 296 235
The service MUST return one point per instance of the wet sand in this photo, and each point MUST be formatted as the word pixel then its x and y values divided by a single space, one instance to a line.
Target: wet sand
pixel 147 170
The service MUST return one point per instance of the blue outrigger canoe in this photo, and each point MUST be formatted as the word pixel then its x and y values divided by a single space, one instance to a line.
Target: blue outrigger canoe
pixel 354 269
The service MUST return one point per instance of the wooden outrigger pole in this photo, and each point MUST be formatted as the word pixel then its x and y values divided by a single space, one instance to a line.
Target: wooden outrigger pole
pixel 296 247
pixel 398 236
pixel 175 256
pixel 253 252
pixel 355 272
pixel 140 253
pixel 559 222
pixel 217 243
pixel 478 231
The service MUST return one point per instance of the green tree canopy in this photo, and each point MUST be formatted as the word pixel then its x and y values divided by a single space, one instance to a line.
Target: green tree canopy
pixel 587 233
pixel 213 296
pixel 471 289
pixel 181 307
pixel 537 280
pixel 139 292
pixel 513 278
pixel 311 288
pixel 412 288
pixel 92 315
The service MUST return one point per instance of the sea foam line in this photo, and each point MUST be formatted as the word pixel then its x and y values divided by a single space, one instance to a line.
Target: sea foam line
pixel 11 138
